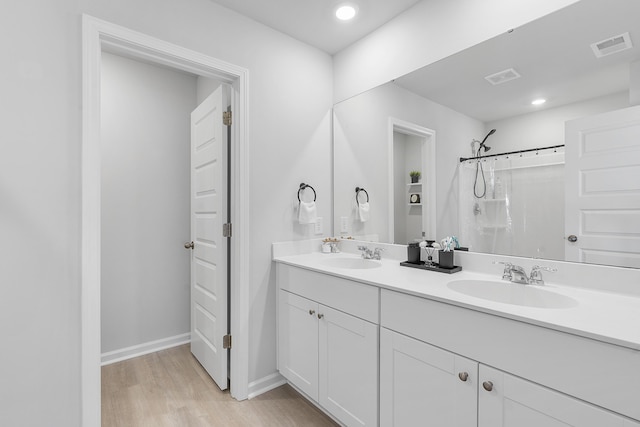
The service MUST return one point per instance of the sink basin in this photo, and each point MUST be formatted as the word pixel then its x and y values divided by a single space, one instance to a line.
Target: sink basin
pixel 512 293
pixel 351 263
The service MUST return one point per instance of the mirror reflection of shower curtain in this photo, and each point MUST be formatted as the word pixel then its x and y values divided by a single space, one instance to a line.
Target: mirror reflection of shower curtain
pixel 522 212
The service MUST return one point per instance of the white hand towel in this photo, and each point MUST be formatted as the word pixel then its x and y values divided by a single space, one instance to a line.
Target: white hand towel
pixel 363 211
pixel 307 213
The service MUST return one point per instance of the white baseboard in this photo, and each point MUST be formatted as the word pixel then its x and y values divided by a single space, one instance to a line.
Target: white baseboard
pixel 144 348
pixel 263 385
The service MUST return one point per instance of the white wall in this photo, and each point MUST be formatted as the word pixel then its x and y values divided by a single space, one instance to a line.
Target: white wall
pixel 634 82
pixel 426 33
pixel 399 189
pixel 361 154
pixel 290 87
pixel 546 127
pixel 205 86
pixel 145 113
pixel 407 156
pixel 39 214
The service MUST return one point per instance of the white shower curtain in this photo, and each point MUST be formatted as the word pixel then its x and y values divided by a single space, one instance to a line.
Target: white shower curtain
pixel 522 210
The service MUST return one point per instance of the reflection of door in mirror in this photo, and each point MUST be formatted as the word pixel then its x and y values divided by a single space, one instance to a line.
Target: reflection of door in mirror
pixel 412 212
pixel 603 189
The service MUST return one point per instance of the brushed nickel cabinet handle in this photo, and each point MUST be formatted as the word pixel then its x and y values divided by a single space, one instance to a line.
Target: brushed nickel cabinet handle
pixel 487 385
pixel 188 245
pixel 463 376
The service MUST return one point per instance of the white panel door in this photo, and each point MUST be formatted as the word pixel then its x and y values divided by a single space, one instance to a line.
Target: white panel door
pixel 602 197
pixel 298 342
pixel 209 255
pixel 348 367
pixel 423 385
pixel 513 402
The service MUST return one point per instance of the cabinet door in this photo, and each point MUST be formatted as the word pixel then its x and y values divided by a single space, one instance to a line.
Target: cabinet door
pixel 348 367
pixel 513 402
pixel 422 385
pixel 298 342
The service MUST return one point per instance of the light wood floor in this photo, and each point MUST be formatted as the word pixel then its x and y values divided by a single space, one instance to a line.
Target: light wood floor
pixel 170 388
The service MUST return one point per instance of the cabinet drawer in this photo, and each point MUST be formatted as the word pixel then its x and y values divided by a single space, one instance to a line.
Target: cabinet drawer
pixel 597 372
pixel 351 297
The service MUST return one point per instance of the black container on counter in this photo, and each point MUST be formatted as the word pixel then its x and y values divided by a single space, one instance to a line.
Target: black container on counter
pixel 413 253
pixel 445 259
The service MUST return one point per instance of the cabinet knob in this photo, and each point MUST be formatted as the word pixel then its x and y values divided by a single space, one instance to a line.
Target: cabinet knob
pixel 572 238
pixel 188 245
pixel 312 312
pixel 320 316
pixel 487 385
pixel 463 376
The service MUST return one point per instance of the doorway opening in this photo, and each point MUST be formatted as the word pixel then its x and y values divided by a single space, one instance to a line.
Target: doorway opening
pixel 412 205
pixel 98 37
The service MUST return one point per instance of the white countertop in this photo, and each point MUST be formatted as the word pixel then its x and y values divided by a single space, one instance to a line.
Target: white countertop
pixel 603 316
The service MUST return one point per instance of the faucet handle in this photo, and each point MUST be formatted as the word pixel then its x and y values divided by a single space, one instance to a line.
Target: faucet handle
pixel 508 267
pixel 535 278
pixel 365 251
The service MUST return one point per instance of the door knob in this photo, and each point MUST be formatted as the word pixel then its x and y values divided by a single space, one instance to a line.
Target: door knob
pixel 487 385
pixel 188 245
pixel 463 376
pixel 572 238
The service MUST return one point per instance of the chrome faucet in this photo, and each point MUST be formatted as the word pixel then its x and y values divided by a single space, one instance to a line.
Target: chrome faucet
pixel 369 254
pixel 536 274
pixel 516 274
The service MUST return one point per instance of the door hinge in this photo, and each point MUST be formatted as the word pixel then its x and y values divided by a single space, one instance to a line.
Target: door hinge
pixel 226 230
pixel 227 118
pixel 226 341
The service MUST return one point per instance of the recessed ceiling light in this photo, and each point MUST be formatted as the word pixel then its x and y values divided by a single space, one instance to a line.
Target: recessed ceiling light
pixel 345 12
pixel 539 101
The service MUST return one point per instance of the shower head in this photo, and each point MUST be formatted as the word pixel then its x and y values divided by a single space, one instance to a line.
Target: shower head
pixel 482 145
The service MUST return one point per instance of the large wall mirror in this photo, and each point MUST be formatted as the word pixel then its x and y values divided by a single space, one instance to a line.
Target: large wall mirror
pixel 513 194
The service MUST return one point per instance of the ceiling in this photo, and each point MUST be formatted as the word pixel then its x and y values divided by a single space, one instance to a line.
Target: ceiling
pixel 552 54
pixel 314 21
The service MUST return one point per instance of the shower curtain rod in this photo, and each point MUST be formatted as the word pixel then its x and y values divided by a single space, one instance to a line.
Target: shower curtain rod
pixel 463 159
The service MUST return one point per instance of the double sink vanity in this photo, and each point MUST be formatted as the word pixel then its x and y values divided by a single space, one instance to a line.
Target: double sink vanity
pixel 376 344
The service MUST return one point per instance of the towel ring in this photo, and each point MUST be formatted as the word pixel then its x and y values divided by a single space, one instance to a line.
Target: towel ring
pixel 305 186
pixel 358 190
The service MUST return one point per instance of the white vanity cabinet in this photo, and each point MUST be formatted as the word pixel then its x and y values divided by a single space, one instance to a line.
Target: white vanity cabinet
pixel 546 377
pixel 328 342
pixel 424 385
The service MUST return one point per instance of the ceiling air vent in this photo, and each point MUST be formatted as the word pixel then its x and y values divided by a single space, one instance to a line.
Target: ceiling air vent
pixel 612 45
pixel 503 76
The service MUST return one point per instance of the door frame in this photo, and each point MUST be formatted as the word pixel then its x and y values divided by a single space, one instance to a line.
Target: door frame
pixel 428 142
pixel 98 36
